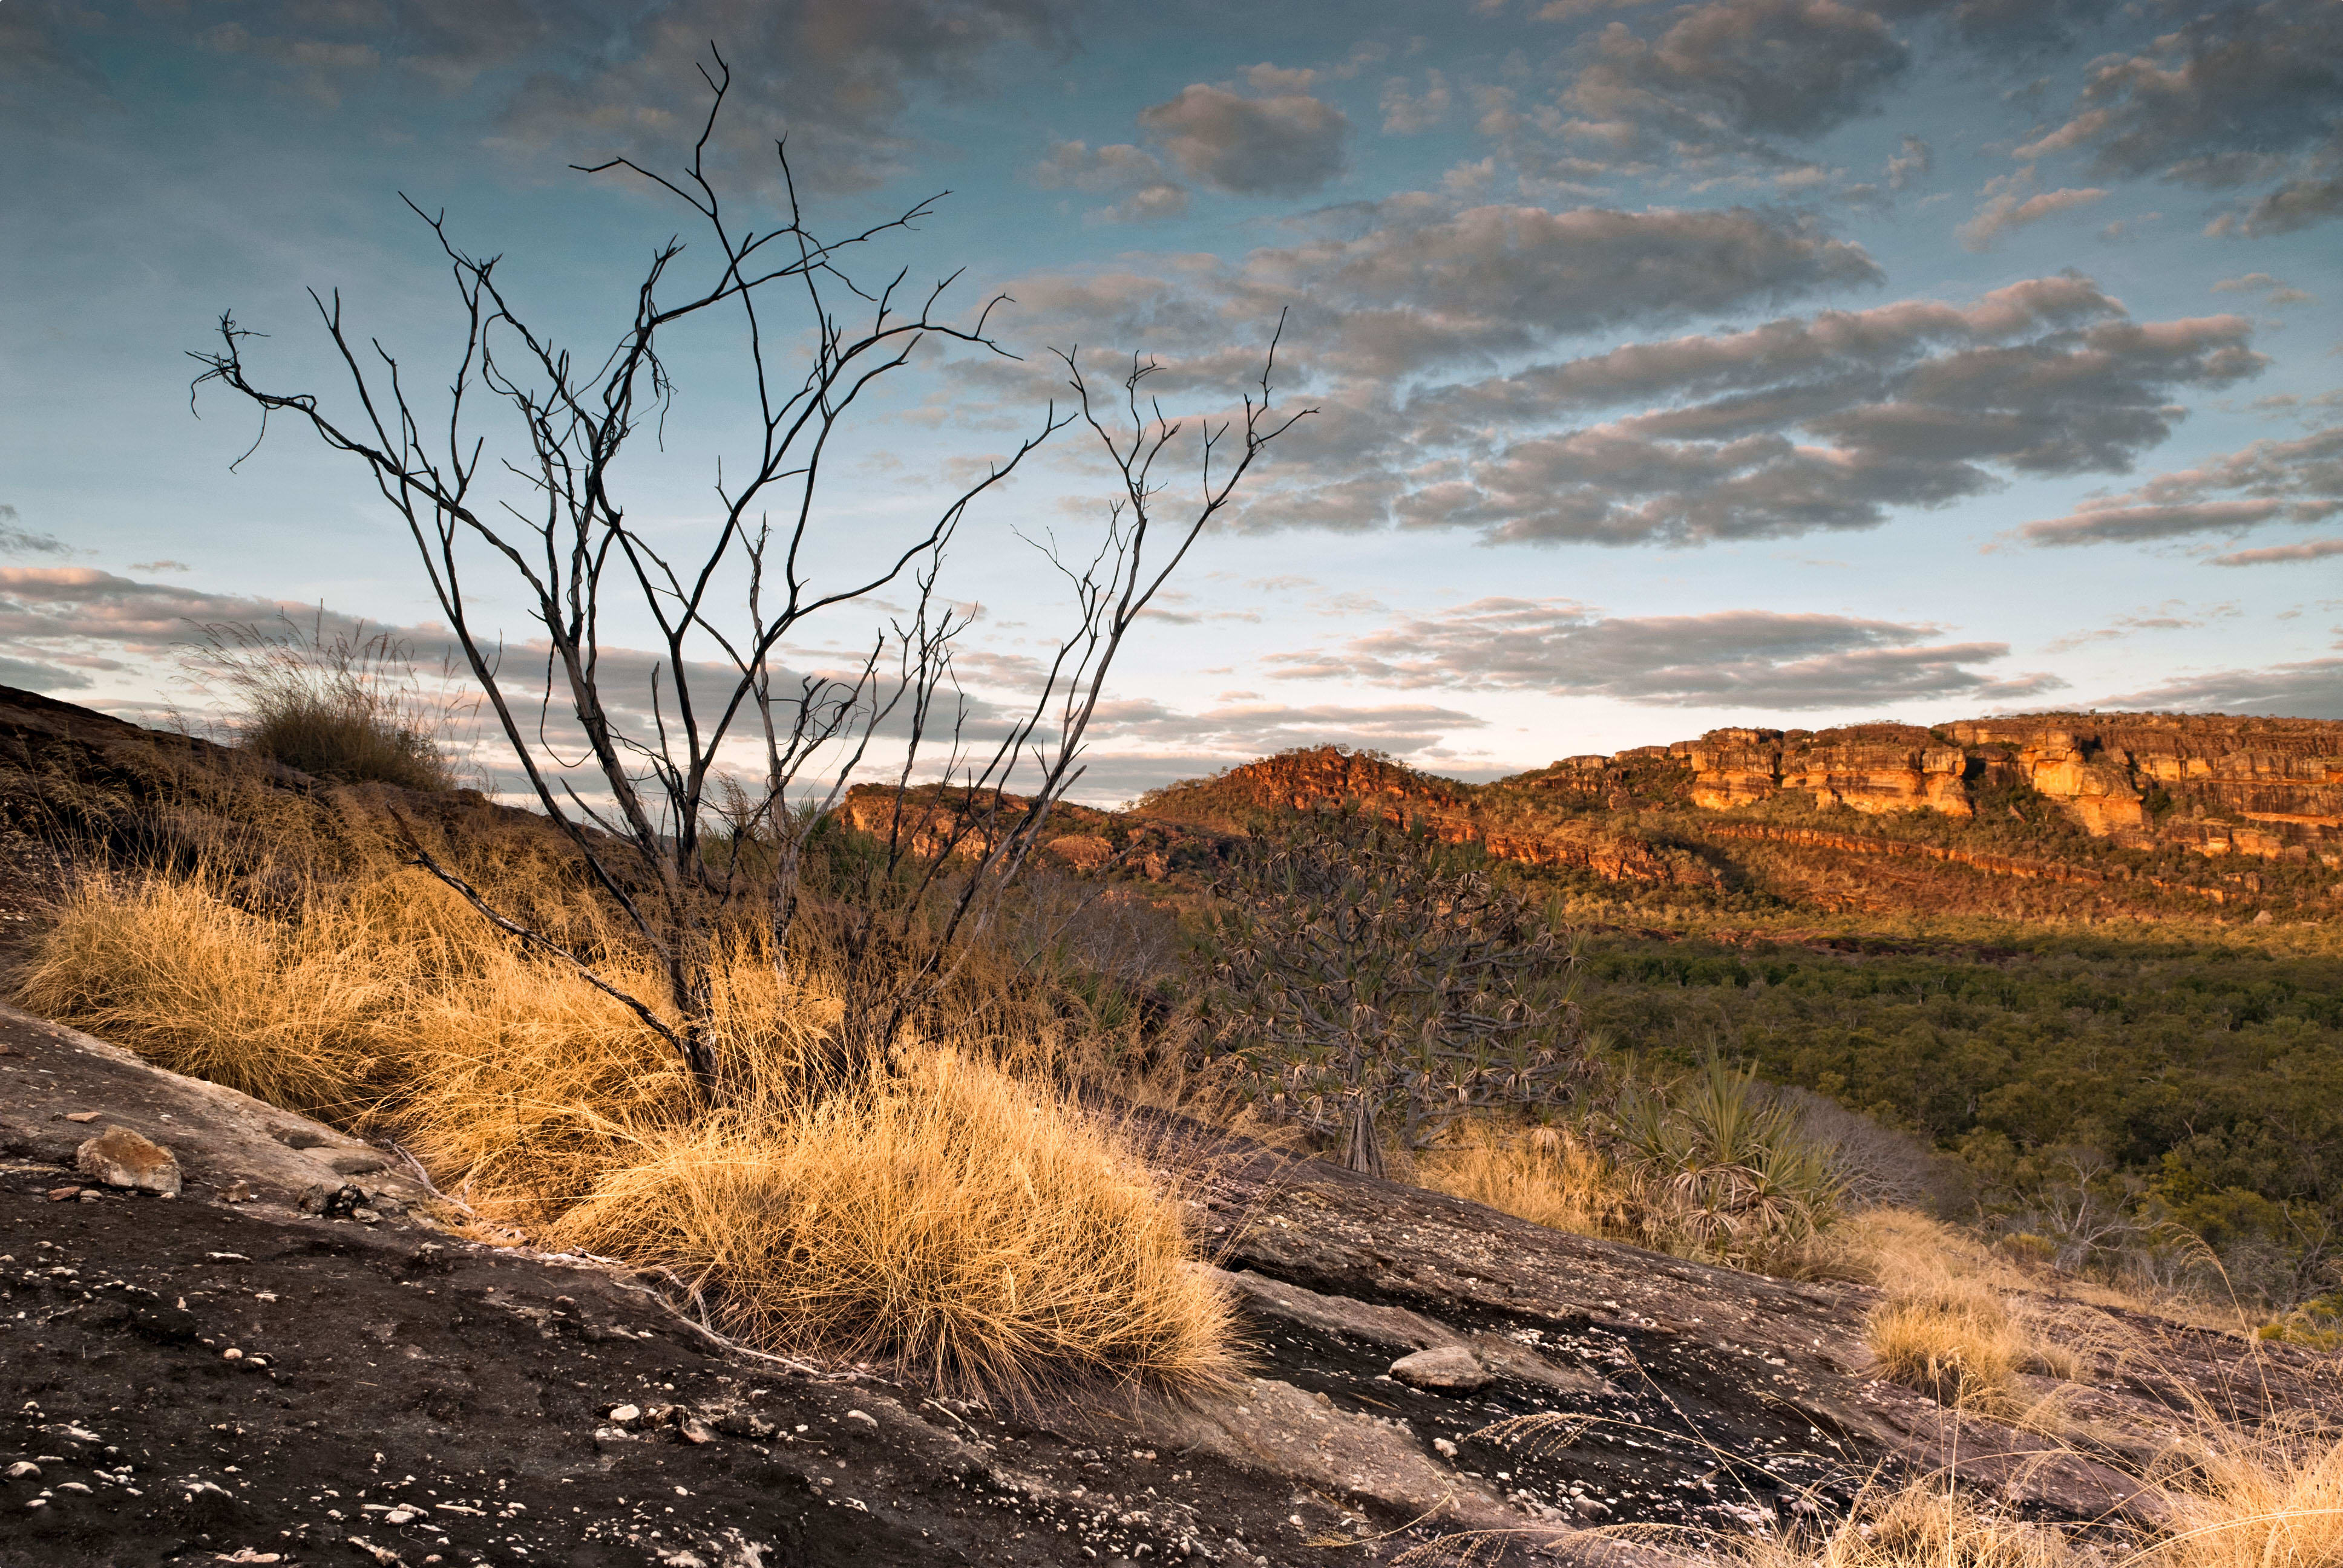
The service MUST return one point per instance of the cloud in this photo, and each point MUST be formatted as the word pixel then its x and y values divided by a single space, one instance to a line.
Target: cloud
pixel 1733 71
pixel 15 539
pixel 2013 201
pixel 1251 729
pixel 30 675
pixel 2309 688
pixel 2239 95
pixel 1800 423
pixel 1132 173
pixel 2291 205
pixel 2300 481
pixel 1745 659
pixel 80 607
pixel 2004 28
pixel 1419 282
pixel 834 76
pixel 2170 615
pixel 1284 144
pixel 2309 550
pixel 1406 113
pixel 1913 158
pixel 66 619
pixel 2272 290
pixel 45 80
pixel 1405 287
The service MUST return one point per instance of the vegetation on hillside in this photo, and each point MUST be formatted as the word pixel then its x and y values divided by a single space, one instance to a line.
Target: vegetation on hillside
pixel 2110 1100
pixel 949 1211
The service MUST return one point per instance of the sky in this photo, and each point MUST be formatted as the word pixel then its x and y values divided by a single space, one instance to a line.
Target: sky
pixel 1779 362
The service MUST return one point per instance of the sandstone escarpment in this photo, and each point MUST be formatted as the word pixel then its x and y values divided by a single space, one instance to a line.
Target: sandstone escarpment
pixel 2270 788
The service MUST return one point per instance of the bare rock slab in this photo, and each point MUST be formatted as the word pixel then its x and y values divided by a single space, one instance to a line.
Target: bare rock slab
pixel 1442 1367
pixel 122 1158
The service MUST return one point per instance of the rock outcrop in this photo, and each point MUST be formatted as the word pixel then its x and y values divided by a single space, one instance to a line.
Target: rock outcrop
pixel 2271 787
pixel 1454 813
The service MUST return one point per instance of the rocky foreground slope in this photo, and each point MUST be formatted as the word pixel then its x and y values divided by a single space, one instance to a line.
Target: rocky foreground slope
pixel 303 1356
pixel 293 1361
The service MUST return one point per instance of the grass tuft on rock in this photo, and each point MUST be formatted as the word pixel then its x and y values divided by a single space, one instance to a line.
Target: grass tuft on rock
pixel 942 1215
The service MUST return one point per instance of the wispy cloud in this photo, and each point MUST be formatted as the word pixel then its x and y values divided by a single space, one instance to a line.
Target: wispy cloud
pixel 1759 660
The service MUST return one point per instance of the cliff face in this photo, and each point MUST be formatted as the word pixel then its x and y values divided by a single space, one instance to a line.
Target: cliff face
pixel 2256 805
pixel 2271 787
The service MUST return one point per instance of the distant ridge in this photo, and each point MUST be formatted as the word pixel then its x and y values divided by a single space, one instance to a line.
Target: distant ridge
pixel 2089 810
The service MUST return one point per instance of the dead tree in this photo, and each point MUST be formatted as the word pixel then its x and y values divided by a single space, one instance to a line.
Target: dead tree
pixel 660 835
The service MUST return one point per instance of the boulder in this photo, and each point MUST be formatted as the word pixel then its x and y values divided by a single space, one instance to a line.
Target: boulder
pixel 122 1158
pixel 1444 1367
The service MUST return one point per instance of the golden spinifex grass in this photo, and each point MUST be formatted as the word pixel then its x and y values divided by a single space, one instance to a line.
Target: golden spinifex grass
pixel 193 983
pixel 1547 1176
pixel 1952 1340
pixel 947 1214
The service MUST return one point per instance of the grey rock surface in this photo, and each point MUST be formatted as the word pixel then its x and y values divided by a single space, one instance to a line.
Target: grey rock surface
pixel 1447 1367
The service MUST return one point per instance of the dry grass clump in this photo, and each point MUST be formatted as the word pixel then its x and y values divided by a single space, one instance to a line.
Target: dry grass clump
pixel 2266 1499
pixel 1921 1524
pixel 1547 1176
pixel 1947 1328
pixel 946 1217
pixel 348 707
pixel 177 973
pixel 1952 1340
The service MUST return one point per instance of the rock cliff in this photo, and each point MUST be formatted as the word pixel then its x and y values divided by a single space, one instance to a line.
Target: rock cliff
pixel 1452 812
pixel 2271 787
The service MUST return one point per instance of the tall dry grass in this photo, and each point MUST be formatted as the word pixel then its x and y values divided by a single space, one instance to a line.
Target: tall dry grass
pixel 2271 1498
pixel 1547 1175
pixel 958 1217
pixel 1954 1341
pixel 1949 1326
pixel 1923 1524
pixel 2241 1497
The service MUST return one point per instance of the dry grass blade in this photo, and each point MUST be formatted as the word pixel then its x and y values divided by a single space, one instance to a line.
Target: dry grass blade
pixel 1923 1525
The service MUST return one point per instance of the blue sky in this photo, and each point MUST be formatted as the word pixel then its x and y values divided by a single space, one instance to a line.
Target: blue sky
pixel 1756 361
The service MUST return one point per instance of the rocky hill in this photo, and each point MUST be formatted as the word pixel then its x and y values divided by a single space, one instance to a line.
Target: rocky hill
pixel 2067 813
